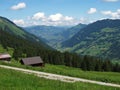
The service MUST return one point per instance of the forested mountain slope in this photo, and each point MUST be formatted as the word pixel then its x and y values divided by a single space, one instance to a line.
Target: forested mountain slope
pixel 101 38
pixel 8 26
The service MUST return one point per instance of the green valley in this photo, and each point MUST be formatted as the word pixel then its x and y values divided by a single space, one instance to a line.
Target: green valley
pixel 54 35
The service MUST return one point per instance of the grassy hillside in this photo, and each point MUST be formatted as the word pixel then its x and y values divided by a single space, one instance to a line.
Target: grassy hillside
pixel 101 38
pixel 14 80
pixel 8 50
pixel 8 26
pixel 111 77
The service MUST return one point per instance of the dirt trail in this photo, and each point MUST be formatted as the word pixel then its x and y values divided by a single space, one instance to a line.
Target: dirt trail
pixel 59 77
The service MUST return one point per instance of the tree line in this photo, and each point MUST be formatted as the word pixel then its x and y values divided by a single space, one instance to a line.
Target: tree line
pixel 24 48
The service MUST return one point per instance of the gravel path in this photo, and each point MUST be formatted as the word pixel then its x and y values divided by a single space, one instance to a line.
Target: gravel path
pixel 59 77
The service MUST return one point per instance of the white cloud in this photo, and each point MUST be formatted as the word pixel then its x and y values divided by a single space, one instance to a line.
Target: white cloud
pixel 19 22
pixel 59 17
pixel 113 15
pixel 83 20
pixel 55 17
pixel 38 16
pixel 111 0
pixel 106 12
pixel 92 10
pixel 67 18
pixel 18 6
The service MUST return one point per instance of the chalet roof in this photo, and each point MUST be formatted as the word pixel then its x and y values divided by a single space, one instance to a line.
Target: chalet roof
pixel 3 56
pixel 32 60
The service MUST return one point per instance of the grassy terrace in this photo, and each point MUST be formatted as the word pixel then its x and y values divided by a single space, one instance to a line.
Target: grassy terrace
pixel 111 77
pixel 14 80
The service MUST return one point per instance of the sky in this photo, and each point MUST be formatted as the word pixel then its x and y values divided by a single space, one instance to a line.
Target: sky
pixel 58 12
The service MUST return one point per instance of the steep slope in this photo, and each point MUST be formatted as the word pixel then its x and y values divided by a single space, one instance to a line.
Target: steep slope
pixel 54 35
pixel 11 28
pixel 101 38
pixel 72 31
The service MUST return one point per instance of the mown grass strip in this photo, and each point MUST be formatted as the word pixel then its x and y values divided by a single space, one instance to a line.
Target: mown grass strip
pixel 14 80
pixel 110 77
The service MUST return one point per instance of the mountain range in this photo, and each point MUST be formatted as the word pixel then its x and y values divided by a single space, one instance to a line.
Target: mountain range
pixel 54 35
pixel 101 39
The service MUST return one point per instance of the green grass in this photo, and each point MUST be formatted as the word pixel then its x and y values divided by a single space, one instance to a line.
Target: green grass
pixel 14 29
pixel 14 80
pixel 109 30
pixel 111 77
pixel 9 50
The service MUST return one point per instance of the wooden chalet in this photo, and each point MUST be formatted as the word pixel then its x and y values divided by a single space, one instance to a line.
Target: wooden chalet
pixel 5 57
pixel 32 61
